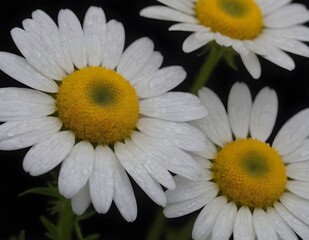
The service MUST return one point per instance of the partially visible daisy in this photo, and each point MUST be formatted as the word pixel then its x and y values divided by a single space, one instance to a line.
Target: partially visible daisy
pixel 250 27
pixel 249 188
pixel 104 111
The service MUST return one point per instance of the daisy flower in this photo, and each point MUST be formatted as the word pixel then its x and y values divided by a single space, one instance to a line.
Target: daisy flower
pixel 249 188
pixel 251 27
pixel 100 110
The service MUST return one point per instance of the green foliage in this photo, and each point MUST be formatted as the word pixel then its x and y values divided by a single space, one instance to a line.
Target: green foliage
pixel 21 236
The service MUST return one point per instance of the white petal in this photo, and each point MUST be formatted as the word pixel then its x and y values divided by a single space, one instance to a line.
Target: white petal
pixel 223 227
pixel 139 173
pixel 196 40
pixel 288 45
pixel 101 181
pixel 298 32
pixel 297 225
pixel 298 171
pixel 33 28
pixel 166 13
pixel 243 225
pixel 239 106
pixel 94 50
pixel 81 201
pixel 22 134
pixel 113 44
pixel 263 114
pixel 178 209
pixel 271 53
pixel 153 166
pixel 209 152
pixel 296 205
pixel 123 193
pixel 300 154
pixel 293 133
pixel 19 69
pixel 73 37
pixel 76 169
pixel 151 66
pixel 172 158
pixel 282 229
pixel 268 6
pixel 188 27
pixel 203 162
pixel 252 64
pixel 223 40
pixel 48 33
pixel 189 190
pixel 46 155
pixel 135 57
pixel 178 5
pixel 159 82
pixel 180 135
pixel 264 229
pixel 36 54
pixel 205 221
pixel 21 103
pixel 299 188
pixel 173 106
pixel 287 16
pixel 94 21
pixel 215 125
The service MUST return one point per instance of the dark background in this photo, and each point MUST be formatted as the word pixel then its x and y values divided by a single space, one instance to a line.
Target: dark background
pixel 18 213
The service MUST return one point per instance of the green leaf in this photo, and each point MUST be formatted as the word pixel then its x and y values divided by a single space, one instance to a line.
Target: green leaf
pixel 229 57
pixel 156 229
pixel 46 191
pixel 50 227
pixel 22 235
pixel 94 236
pixel 86 215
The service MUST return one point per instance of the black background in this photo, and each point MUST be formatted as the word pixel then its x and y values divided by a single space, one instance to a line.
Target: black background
pixel 17 213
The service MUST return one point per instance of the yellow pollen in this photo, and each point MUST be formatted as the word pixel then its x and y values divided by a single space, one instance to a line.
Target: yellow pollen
pixel 250 173
pixel 98 105
pixel 238 19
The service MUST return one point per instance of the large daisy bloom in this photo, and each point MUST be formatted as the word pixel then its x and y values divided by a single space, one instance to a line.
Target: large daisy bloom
pixel 249 188
pixel 99 110
pixel 251 27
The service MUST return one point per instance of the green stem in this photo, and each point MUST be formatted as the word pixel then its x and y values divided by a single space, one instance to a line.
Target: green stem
pixel 67 220
pixel 207 68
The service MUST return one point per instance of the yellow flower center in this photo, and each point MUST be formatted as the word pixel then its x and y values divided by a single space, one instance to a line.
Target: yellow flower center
pixel 98 105
pixel 238 19
pixel 250 173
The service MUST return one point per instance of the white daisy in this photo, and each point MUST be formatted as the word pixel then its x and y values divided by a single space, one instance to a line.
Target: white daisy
pixel 249 188
pixel 104 111
pixel 250 27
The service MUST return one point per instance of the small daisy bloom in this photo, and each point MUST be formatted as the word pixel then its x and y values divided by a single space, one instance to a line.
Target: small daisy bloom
pixel 99 110
pixel 249 188
pixel 250 27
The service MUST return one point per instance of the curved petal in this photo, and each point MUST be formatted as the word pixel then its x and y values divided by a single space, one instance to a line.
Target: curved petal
pixel 296 205
pixel 264 229
pixel 180 135
pixel 298 171
pixel 101 181
pixel 299 155
pixel 178 5
pixel 215 125
pixel 173 106
pixel 81 201
pixel 239 106
pixel 298 32
pixel 76 169
pixel 135 57
pixel 171 158
pixel 297 225
pixel 293 133
pixel 73 37
pixel 223 227
pixel 243 225
pixel 189 27
pixel 299 188
pixel 22 103
pixel 46 155
pixel 22 134
pixel 282 229
pixel 205 221
pixel 151 66
pixel 197 40
pixel 19 69
pixel 166 13
pixel 252 64
pixel 113 44
pixel 263 114
pixel 159 82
